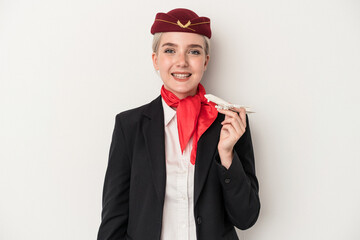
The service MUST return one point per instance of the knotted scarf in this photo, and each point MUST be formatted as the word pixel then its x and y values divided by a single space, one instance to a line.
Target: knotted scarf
pixel 194 116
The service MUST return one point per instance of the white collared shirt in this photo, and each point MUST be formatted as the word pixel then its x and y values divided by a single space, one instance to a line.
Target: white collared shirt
pixel 178 222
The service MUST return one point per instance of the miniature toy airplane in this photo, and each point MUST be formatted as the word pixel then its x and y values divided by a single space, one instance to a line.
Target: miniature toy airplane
pixel 222 104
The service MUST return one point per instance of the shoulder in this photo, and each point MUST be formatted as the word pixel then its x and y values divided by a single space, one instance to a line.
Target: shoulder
pixel 135 115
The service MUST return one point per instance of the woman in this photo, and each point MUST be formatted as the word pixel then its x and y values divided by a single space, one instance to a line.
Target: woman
pixel 177 169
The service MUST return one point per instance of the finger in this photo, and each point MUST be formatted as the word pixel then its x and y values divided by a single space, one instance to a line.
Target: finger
pixel 239 114
pixel 236 123
pixel 242 114
pixel 234 111
pixel 229 129
pixel 240 117
pixel 239 110
pixel 232 133
pixel 228 119
pixel 229 113
pixel 237 130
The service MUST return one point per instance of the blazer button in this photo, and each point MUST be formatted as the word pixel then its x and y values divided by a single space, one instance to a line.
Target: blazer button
pixel 227 180
pixel 198 220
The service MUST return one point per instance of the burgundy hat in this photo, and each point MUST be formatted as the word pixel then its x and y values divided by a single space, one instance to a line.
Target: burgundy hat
pixel 181 20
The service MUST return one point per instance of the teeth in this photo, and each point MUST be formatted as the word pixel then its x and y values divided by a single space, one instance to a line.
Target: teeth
pixel 181 75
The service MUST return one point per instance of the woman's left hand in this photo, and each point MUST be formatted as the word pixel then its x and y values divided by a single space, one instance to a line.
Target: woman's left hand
pixel 233 128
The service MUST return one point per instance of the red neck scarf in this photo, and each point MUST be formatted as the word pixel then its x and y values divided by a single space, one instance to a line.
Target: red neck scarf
pixel 194 116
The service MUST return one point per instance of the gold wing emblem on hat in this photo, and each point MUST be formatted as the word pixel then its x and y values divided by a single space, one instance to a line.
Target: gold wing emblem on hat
pixel 183 26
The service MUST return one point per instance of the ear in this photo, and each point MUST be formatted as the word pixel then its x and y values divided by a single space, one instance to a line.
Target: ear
pixel 154 59
pixel 207 59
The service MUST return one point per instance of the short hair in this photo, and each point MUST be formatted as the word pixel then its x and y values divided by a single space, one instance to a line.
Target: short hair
pixel 157 37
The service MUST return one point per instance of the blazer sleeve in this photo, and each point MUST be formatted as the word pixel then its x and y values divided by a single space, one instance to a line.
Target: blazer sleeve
pixel 240 185
pixel 115 204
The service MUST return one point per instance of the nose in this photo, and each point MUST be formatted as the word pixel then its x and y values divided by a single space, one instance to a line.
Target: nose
pixel 182 60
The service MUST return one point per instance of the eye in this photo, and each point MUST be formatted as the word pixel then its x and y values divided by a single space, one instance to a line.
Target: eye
pixel 168 50
pixel 195 52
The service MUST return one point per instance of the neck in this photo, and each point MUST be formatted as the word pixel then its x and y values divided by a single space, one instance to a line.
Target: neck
pixel 184 95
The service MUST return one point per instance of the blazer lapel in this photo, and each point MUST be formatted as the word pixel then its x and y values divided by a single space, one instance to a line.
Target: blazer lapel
pixel 207 147
pixel 153 130
pixel 154 135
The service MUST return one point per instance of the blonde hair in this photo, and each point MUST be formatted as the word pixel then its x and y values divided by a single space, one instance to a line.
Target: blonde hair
pixel 157 37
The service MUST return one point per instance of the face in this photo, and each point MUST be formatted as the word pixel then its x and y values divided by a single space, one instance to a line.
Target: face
pixel 181 61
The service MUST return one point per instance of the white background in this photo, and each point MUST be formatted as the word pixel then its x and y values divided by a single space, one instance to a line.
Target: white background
pixel 68 67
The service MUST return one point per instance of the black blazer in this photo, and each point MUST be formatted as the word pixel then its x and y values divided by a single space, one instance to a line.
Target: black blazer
pixel 134 187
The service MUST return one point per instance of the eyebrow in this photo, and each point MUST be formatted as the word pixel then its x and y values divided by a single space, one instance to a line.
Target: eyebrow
pixel 174 45
pixel 195 46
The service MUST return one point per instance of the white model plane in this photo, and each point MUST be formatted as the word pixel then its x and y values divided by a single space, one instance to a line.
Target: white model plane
pixel 222 104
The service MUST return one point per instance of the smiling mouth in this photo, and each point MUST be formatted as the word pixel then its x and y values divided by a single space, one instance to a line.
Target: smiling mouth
pixel 181 75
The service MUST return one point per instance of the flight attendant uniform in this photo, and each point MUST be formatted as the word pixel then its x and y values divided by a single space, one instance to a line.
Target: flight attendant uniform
pixel 164 178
